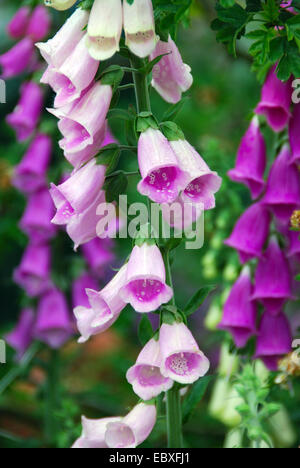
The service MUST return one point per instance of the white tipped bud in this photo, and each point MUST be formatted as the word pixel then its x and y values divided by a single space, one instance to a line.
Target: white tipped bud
pixel 60 5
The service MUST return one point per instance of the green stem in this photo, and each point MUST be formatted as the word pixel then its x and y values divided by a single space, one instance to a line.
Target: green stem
pixel 52 397
pixel 140 86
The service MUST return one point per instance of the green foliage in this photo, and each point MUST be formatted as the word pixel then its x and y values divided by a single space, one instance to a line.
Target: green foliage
pixel 145 331
pixel 198 299
pixel 193 398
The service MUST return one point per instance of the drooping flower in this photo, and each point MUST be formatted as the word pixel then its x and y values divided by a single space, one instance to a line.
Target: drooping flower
pixel 239 316
pixel 274 339
pixel 145 287
pixel 97 253
pixel 39 24
pixel 60 5
pixel 162 177
pixel 21 336
pixel 250 232
pixel 283 186
pixel 145 376
pixel 17 59
pixel 17 26
pixel 34 269
pixel 30 174
pixel 79 296
pixel 294 135
pixel 93 433
pixel 275 101
pixel 202 183
pixel 53 325
pixel 273 280
pixel 181 214
pixel 104 29
pixel 182 359
pixel 26 115
pixel 170 76
pixel 251 160
pixel 139 27
pixel 36 220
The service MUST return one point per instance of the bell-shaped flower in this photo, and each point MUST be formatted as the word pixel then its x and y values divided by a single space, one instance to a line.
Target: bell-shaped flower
pixel 145 376
pixel 202 183
pixel 36 220
pixel 162 177
pixel 21 336
pixel 79 285
pixel 283 187
pixel 60 5
pixel 182 359
pixel 76 194
pixel 170 76
pixel 181 214
pixel 30 174
pixel 293 249
pixel 104 29
pixel 25 117
pixel 16 60
pixel 39 24
pixel 139 27
pixel 274 339
pixel 33 273
pixel 17 26
pixel 53 325
pixel 294 134
pixel 98 255
pixel 250 232
pixel 239 316
pixel 145 288
pixel 251 160
pixel 105 308
pixel 275 101
pixel 93 433
pixel 273 279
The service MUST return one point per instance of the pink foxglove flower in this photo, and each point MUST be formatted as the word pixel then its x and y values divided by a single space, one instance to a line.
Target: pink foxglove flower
pixel 20 337
pixel 181 214
pixel 105 308
pixel 275 101
pixel 34 270
pixel 79 296
pixel 162 177
pixel 239 316
pixel 17 27
pixel 36 220
pixel 139 27
pixel 30 174
pixel 250 232
pixel 202 183
pixel 145 376
pixel 76 194
pixel 294 134
pixel 273 279
pixel 170 76
pixel 97 254
pixel 251 160
pixel 182 359
pixel 145 288
pixel 283 186
pixel 93 433
pixel 53 325
pixel 274 339
pixel 104 29
pixel 17 59
pixel 39 24
pixel 26 115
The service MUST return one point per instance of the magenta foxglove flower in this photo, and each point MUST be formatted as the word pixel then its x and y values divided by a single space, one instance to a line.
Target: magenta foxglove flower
pixel 182 359
pixel 36 220
pixel 145 288
pixel 202 183
pixel 251 160
pixel 273 280
pixel 73 76
pixel 104 29
pixel 274 339
pixel 17 26
pixel 77 193
pixel 105 308
pixel 145 376
pixel 17 59
pixel 26 115
pixel 250 232
pixel 239 317
pixel 294 135
pixel 170 76
pixel 293 244
pixel 79 296
pixel 139 27
pixel 275 101
pixel 53 325
pixel 20 337
pixel 30 174
pixel 93 433
pixel 60 47
pixel 283 187
pixel 97 254
pixel 181 214
pixel 33 272
pixel 162 177
pixel 39 24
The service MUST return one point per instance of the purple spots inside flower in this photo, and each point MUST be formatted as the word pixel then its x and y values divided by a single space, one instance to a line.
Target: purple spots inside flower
pixel 146 290
pixel 162 182
pixel 183 363
pixel 200 188
pixel 119 435
pixel 65 212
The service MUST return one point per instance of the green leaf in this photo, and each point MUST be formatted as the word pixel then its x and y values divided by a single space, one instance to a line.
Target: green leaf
pixel 198 299
pixel 253 6
pixel 119 114
pixel 172 131
pixel 276 49
pixel 109 156
pixel 227 3
pixel 236 16
pixel 289 63
pixel 174 110
pixel 194 397
pixel 112 76
pixel 115 187
pixel 149 66
pixel 293 27
pixel 271 11
pixel 145 331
